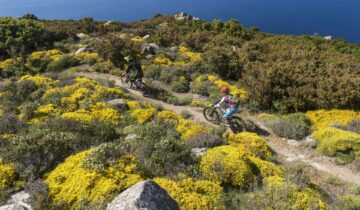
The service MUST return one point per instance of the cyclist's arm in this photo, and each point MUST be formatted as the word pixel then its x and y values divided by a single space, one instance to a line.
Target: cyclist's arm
pixel 220 102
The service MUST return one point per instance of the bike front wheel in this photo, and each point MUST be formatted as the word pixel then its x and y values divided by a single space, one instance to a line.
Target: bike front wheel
pixel 237 125
pixel 125 80
pixel 211 115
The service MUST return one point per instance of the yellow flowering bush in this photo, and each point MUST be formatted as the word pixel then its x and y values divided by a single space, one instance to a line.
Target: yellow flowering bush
pixel 331 140
pixel 186 128
pixel 191 194
pixel 7 175
pixel 69 182
pixel 53 55
pixel 4 64
pixel 326 118
pixel 163 61
pixel 252 142
pixel 306 198
pixel 143 115
pixel 234 90
pixel 137 39
pixel 90 58
pixel 100 111
pixel 183 50
pixel 1 111
pixel 197 103
pixel 39 80
pixel 79 101
pixel 267 168
pixel 227 165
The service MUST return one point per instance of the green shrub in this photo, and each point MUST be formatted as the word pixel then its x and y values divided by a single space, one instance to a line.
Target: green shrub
pixel 153 72
pixel 103 67
pixel 102 157
pixel 180 85
pixel 344 158
pixel 160 150
pixel 64 62
pixel 186 114
pixel 354 189
pixel 349 203
pixel 201 88
pixel 41 147
pixel 292 126
pixel 333 180
pixel 353 126
pixel 298 174
pixel 205 140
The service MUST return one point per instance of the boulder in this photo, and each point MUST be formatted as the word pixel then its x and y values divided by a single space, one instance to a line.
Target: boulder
pixel 198 151
pixel 131 129
pixel 151 48
pixel 108 23
pixel 17 202
pixel 328 37
pixel 146 36
pixel 119 103
pixel 81 50
pixel 183 16
pixel 145 195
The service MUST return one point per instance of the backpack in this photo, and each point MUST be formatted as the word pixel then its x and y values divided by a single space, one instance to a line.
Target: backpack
pixel 236 100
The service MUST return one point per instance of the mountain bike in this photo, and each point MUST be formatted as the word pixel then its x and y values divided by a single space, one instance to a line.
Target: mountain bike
pixel 129 82
pixel 215 113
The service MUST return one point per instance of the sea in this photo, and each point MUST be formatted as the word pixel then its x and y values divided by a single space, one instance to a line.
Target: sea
pixel 336 18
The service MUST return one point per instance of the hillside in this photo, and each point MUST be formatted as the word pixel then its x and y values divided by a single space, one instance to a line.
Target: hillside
pixel 73 136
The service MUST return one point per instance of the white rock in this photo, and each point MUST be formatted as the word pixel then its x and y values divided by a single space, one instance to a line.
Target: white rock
pixel 328 37
pixel 198 151
pixel 17 202
pixel 81 50
pixel 145 195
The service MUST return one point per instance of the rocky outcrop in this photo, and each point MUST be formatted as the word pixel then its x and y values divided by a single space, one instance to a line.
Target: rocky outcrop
pixel 183 16
pixel 146 195
pixel 150 49
pixel 17 202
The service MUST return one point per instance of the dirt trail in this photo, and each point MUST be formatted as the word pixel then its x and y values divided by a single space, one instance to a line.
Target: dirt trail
pixel 287 153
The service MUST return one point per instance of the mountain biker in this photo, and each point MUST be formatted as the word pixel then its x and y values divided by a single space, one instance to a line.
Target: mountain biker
pixel 232 103
pixel 134 69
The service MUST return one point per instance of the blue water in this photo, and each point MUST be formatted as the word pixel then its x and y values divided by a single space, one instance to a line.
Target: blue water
pixel 337 18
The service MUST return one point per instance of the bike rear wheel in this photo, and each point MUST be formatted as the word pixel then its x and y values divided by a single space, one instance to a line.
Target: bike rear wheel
pixel 211 115
pixel 237 125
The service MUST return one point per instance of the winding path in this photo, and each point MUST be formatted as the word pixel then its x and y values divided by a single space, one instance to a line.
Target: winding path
pixel 288 153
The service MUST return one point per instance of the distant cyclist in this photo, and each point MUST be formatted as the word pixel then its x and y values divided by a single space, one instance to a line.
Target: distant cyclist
pixel 134 70
pixel 232 103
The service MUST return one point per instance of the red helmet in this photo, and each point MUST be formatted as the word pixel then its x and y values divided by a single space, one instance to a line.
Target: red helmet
pixel 225 89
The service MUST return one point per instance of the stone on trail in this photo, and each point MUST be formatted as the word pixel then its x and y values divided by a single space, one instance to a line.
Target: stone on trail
pixel 145 195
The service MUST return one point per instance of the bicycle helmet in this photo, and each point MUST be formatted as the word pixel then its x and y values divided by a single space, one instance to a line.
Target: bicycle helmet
pixel 225 89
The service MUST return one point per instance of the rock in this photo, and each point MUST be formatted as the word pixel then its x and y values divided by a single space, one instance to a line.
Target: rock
pixel 173 49
pixel 198 151
pixel 328 37
pixel 130 137
pixel 151 48
pixel 17 202
pixel 108 23
pixel 310 142
pixel 146 36
pixel 183 16
pixel 119 103
pixel 145 195
pixel 82 36
pixel 292 142
pixel 81 50
pixel 131 129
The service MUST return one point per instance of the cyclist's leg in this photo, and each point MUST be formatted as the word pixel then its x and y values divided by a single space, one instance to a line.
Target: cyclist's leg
pixel 230 112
